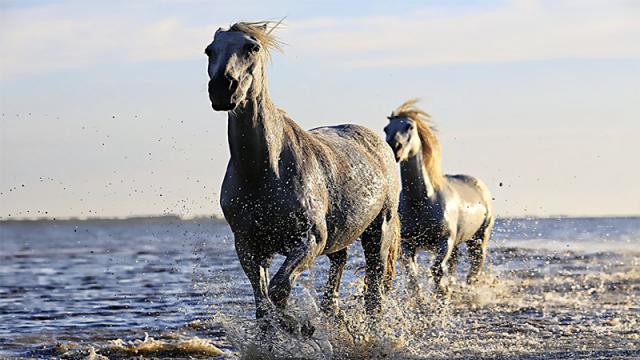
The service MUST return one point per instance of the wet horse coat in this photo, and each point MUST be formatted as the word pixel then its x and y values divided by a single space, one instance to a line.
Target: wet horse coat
pixel 295 192
pixel 438 212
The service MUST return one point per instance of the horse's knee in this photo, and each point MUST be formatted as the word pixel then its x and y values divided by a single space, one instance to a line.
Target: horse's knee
pixel 279 290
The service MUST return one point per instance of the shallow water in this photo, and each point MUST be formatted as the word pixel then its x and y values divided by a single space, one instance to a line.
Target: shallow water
pixel 554 288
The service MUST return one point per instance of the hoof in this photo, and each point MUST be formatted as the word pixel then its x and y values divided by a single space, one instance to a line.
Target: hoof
pixel 266 326
pixel 307 329
pixel 473 280
pixel 295 327
pixel 442 298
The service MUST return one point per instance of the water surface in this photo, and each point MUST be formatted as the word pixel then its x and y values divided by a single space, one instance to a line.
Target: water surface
pixel 555 288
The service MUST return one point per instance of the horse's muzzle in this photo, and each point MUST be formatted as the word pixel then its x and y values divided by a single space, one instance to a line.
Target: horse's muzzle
pixel 396 147
pixel 221 90
pixel 223 107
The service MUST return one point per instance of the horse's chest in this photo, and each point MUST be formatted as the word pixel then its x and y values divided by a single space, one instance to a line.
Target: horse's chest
pixel 263 211
pixel 421 220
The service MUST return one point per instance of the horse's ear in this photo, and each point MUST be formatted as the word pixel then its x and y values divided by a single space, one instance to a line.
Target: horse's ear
pixel 263 27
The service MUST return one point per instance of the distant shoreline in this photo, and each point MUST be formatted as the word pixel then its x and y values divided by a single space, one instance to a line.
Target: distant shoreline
pixel 221 220
pixel 149 219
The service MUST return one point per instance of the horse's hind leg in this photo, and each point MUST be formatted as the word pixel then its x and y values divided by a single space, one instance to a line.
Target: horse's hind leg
pixel 377 241
pixel 330 301
pixel 477 249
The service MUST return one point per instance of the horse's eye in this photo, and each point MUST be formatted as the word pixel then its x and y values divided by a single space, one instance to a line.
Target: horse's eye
pixel 252 47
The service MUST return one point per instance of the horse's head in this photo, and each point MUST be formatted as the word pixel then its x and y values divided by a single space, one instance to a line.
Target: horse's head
pixel 234 57
pixel 236 63
pixel 402 136
pixel 410 132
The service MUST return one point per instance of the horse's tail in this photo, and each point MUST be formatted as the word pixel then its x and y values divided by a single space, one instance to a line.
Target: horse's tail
pixel 394 248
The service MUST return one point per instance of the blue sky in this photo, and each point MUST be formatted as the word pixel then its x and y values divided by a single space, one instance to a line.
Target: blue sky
pixel 105 111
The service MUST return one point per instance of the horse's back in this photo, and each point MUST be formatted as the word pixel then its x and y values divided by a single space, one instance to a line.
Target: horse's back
pixel 351 137
pixel 470 188
pixel 361 166
pixel 357 151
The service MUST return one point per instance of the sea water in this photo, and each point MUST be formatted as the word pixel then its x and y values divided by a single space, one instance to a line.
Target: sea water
pixel 165 287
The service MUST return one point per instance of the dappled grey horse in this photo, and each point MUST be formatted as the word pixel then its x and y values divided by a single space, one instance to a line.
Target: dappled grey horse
pixel 437 212
pixel 294 192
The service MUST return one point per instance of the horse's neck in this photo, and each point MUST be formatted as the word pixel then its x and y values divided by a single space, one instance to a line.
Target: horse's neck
pixel 256 136
pixel 415 180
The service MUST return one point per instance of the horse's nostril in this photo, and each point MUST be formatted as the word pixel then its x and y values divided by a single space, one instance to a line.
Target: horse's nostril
pixel 233 85
pixel 223 83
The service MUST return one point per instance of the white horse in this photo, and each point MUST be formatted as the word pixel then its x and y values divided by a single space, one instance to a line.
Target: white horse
pixel 437 212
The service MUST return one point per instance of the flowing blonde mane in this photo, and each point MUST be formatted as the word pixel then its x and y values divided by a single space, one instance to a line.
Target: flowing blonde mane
pixel 262 32
pixel 431 154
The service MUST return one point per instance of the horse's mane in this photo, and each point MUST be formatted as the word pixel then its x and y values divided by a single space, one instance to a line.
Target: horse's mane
pixel 431 153
pixel 262 32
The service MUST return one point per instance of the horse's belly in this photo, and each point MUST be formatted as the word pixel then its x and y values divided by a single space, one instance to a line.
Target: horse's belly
pixel 471 218
pixel 424 221
pixel 349 217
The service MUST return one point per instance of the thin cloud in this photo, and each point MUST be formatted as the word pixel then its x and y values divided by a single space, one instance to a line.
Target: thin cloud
pixel 521 31
pixel 42 39
pixel 51 37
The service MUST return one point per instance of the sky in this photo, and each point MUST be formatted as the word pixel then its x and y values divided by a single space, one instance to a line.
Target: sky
pixel 105 112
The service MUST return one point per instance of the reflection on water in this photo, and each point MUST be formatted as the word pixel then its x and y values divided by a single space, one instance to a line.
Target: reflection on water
pixel 171 288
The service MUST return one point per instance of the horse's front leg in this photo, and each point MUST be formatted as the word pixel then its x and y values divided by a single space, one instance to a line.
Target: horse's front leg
pixel 256 266
pixel 299 258
pixel 439 267
pixel 453 262
pixel 409 264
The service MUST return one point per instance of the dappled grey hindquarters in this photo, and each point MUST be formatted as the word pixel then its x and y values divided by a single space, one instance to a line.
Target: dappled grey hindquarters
pixel 556 288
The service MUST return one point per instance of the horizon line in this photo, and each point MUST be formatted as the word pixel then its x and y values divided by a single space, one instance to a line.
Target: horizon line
pixel 220 218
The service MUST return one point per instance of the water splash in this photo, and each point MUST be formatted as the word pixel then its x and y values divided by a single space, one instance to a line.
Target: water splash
pixel 100 289
pixel 275 343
